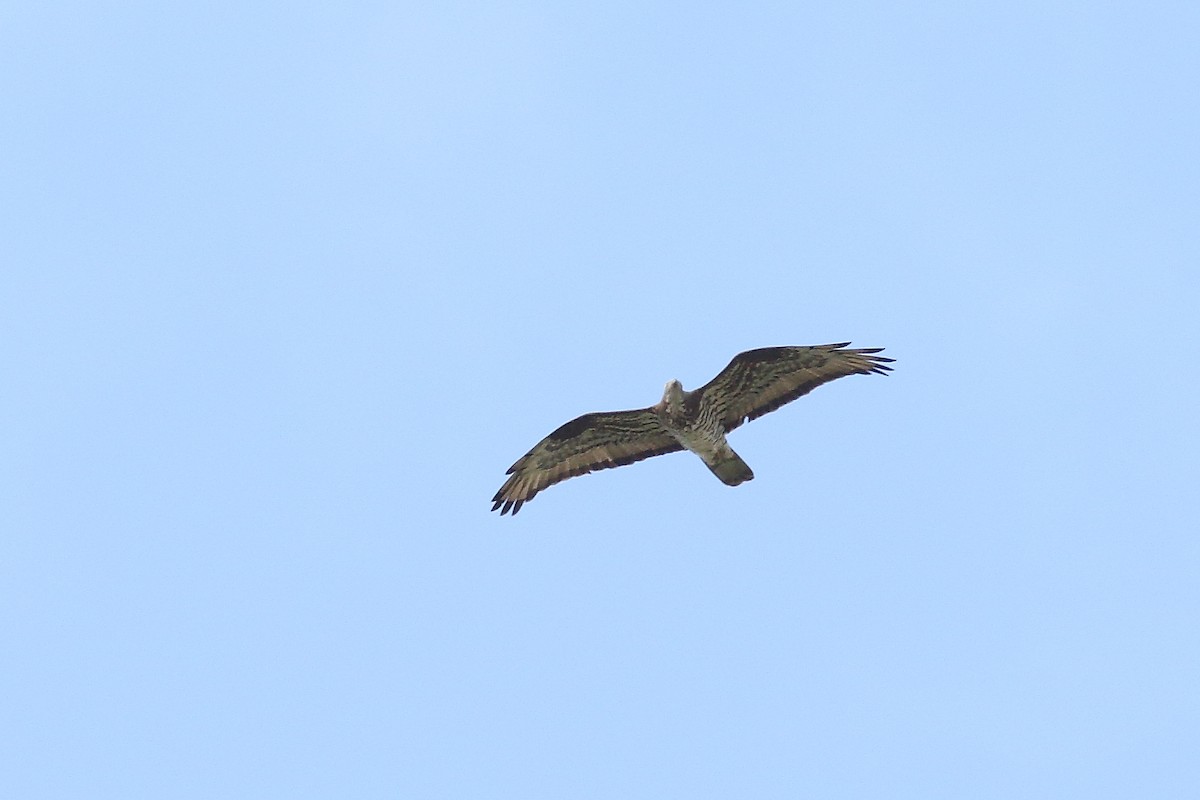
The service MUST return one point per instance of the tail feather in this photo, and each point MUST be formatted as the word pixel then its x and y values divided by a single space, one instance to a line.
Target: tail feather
pixel 729 467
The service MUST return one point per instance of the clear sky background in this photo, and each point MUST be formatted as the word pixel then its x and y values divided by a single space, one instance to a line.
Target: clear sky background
pixel 287 287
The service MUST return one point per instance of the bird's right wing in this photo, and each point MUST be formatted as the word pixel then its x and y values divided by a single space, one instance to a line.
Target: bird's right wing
pixel 591 442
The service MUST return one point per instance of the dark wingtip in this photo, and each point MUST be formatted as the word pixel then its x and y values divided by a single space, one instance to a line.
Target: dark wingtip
pixel 507 506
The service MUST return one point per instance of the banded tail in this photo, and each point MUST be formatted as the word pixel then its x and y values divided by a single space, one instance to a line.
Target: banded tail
pixel 729 467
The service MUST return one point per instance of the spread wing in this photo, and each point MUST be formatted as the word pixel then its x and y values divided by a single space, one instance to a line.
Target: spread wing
pixel 759 381
pixel 591 442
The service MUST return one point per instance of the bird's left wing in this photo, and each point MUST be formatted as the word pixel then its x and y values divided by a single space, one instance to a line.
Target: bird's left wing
pixel 591 442
pixel 759 381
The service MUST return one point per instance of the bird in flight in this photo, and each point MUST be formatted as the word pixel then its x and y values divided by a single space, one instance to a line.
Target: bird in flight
pixel 754 383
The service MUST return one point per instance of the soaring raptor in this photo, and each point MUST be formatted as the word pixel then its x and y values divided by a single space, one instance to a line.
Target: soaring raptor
pixel 755 382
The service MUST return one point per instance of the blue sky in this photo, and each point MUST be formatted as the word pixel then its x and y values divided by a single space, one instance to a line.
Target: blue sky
pixel 288 287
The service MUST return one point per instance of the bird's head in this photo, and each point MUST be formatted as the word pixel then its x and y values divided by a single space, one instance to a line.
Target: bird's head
pixel 672 400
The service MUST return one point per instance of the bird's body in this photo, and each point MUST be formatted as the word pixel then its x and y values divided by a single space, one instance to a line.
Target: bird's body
pixel 698 428
pixel 754 383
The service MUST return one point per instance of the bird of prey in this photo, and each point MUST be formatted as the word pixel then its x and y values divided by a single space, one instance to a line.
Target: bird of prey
pixel 754 383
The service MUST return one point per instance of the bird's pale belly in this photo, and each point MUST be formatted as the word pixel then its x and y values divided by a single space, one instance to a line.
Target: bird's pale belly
pixel 698 439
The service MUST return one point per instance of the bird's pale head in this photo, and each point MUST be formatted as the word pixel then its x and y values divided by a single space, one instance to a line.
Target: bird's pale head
pixel 673 396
